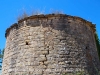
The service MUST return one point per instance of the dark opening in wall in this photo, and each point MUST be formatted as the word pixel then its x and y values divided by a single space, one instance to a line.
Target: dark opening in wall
pixel 86 47
pixel 69 22
pixel 27 43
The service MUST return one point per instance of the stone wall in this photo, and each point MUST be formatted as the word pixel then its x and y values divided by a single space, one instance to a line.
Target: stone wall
pixel 51 45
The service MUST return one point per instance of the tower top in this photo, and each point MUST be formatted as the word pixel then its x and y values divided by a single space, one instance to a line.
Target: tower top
pixel 48 17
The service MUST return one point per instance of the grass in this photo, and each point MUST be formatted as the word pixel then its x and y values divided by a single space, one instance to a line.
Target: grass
pixel 36 12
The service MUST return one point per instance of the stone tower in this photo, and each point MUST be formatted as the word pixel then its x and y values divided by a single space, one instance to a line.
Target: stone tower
pixel 53 44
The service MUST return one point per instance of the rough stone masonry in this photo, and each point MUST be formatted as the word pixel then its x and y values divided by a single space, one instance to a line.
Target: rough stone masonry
pixel 53 44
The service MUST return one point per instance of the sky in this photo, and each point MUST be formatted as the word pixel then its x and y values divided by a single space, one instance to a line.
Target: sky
pixel 10 10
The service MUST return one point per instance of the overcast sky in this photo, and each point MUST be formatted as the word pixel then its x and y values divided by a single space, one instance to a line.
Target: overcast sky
pixel 11 9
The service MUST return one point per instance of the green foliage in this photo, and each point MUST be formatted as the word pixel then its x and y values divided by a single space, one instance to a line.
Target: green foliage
pixel 98 72
pixel 80 73
pixel 1 57
pixel 76 73
pixel 97 44
pixel 1 53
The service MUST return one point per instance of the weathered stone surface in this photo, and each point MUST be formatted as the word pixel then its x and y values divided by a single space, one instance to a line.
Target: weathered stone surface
pixel 50 45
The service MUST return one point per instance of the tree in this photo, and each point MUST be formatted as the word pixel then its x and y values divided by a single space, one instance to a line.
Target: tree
pixel 97 44
pixel 1 57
